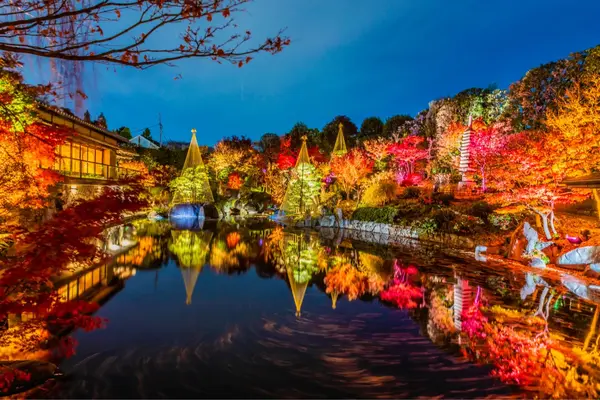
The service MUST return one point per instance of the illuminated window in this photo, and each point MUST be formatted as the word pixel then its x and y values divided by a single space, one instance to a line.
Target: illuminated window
pixel 96 276
pixel 88 280
pixel 63 294
pixel 73 290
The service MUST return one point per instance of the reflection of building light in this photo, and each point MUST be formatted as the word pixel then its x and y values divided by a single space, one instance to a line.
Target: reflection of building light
pixel 462 300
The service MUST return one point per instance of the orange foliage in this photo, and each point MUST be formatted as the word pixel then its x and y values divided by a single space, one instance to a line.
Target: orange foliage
pixel 344 278
pixel 26 145
pixel 234 181
pixel 140 169
pixel 351 169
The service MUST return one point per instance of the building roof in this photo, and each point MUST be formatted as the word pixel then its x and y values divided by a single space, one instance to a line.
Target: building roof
pixel 143 142
pixel 590 181
pixel 73 118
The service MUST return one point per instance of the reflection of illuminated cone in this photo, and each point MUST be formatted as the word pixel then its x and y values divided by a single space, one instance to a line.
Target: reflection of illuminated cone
pixel 190 276
pixel 298 290
pixel 334 297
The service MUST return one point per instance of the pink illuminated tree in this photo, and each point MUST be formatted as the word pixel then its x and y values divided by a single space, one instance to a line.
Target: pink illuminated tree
pixel 408 152
pixel 487 146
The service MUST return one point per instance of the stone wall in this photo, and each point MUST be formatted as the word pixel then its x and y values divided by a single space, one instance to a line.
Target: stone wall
pixel 380 233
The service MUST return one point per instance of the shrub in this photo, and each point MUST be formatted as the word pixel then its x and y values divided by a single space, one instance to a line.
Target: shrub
pixel 380 193
pixel 444 198
pixel 347 206
pixel 501 221
pixel 480 209
pixel 426 226
pixel 384 215
pixel 444 219
pixel 411 193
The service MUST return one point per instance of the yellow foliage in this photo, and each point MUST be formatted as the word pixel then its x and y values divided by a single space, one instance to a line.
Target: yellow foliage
pixel 381 192
pixel 575 126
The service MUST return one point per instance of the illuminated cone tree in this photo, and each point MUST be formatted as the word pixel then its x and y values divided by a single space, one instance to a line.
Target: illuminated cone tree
pixel 191 250
pixel 304 186
pixel 339 149
pixel 192 186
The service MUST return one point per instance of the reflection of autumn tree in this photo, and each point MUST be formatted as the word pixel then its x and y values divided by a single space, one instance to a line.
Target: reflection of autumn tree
pixel 373 266
pixel 402 292
pixel 344 278
pixel 230 252
pixel 523 353
pixel 190 248
pixel 440 323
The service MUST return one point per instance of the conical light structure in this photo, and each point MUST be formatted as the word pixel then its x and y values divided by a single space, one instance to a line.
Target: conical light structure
pixel 191 250
pixel 194 186
pixel 340 143
pixel 334 298
pixel 190 277
pixel 298 290
pixel 304 186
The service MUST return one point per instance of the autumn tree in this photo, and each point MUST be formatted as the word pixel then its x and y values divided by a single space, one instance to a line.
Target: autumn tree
pixel 486 148
pixel 538 93
pixel 351 170
pixel 70 32
pixel 236 154
pixel 25 146
pixel 574 129
pixel 377 149
pixel 26 283
pixel 407 152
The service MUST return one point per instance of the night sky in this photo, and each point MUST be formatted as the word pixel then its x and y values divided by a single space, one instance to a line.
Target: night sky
pixel 354 57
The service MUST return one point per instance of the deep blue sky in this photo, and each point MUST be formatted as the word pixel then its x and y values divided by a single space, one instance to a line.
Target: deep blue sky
pixel 354 57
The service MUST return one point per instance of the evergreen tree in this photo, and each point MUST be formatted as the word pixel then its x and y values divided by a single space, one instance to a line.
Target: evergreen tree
pixel 303 190
pixel 371 127
pixel 125 132
pixel 395 124
pixel 101 121
pixel 147 134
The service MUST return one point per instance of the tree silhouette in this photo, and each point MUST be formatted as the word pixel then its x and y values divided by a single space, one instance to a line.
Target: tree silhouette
pixel 371 127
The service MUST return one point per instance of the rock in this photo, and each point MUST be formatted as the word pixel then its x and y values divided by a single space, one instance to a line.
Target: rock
pixel 327 221
pixel 581 255
pixel 40 372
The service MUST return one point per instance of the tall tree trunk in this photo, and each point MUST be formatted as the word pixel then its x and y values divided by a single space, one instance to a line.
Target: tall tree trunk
pixel 552 224
pixel 544 217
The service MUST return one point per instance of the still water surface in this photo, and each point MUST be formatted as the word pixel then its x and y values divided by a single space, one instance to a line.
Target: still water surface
pixel 257 311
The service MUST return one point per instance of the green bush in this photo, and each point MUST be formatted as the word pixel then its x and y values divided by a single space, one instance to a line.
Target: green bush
pixel 480 209
pixel 426 226
pixel 384 215
pixel 411 193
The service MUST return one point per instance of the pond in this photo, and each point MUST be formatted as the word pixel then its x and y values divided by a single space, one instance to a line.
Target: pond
pixel 258 311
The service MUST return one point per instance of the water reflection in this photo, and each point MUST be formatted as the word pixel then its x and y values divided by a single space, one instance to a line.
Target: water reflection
pixel 538 331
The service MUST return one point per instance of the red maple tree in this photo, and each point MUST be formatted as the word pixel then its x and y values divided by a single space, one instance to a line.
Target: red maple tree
pixel 407 152
pixel 26 283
